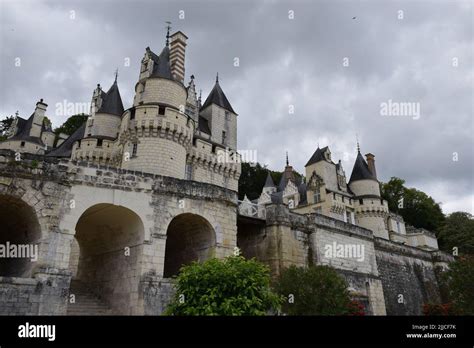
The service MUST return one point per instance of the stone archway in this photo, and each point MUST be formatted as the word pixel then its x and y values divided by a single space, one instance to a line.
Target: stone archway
pixel 189 237
pixel 109 240
pixel 20 231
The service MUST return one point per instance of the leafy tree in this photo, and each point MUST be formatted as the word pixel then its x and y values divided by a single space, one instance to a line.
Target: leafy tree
pixel 316 290
pixel 416 207
pixel 71 124
pixel 457 230
pixel 232 286
pixel 4 125
pixel 252 179
pixel 459 280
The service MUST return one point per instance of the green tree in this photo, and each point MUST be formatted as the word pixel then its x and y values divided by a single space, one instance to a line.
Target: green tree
pixel 71 124
pixel 457 230
pixel 416 207
pixel 231 286
pixel 4 125
pixel 459 280
pixel 252 179
pixel 315 290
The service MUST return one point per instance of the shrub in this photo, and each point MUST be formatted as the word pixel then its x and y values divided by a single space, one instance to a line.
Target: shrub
pixel 232 286
pixel 316 290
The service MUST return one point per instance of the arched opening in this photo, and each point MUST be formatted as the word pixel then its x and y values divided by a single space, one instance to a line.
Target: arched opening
pixel 189 238
pixel 19 237
pixel 105 259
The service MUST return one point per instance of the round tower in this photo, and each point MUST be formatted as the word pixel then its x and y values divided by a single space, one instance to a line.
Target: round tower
pixel 156 131
pixel 371 211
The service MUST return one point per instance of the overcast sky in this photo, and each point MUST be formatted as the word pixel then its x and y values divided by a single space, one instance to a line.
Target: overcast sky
pixel 334 71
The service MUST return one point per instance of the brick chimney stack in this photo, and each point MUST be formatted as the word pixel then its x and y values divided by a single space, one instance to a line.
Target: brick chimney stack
pixel 371 163
pixel 177 55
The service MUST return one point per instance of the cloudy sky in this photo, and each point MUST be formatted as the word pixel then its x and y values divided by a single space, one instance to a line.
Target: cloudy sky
pixel 310 57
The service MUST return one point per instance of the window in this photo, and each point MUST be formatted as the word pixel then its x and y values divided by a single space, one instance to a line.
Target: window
pixel 398 227
pixel 99 142
pixel 134 150
pixel 132 114
pixel 361 201
pixel 223 137
pixel 22 144
pixel 317 197
pixel 78 144
pixel 334 196
pixel 227 116
pixel 161 110
pixel 343 199
pixel 188 172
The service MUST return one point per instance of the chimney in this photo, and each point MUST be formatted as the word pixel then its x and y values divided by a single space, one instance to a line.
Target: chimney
pixel 40 110
pixel 177 55
pixel 371 163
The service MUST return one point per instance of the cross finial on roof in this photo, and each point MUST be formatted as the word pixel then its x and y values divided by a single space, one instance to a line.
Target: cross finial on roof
pixel 116 75
pixel 168 33
pixel 287 162
pixel 217 78
pixel 358 146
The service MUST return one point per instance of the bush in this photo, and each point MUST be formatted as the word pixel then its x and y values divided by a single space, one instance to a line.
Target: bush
pixel 439 309
pixel 316 290
pixel 232 286
pixel 459 280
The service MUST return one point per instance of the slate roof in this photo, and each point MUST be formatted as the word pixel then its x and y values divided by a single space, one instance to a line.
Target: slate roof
pixel 112 102
pixel 269 182
pixel 361 170
pixel 23 131
pixel 65 149
pixel 162 66
pixel 317 156
pixel 218 97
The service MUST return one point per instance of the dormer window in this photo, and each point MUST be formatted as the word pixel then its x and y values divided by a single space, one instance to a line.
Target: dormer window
pixel 161 110
pixel 99 142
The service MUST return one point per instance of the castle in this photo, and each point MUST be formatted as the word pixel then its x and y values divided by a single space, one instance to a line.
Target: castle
pixel 116 208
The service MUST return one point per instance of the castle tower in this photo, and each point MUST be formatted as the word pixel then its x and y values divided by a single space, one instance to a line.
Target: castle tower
pixel 269 186
pixel 156 131
pixel 106 113
pixel 370 209
pixel 221 118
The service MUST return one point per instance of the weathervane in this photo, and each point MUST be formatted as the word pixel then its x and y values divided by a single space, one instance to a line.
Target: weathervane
pixel 168 32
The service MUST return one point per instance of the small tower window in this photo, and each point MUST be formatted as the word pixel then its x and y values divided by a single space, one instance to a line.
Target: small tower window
pixel 317 197
pixel 361 201
pixel 132 114
pixel 134 150
pixel 189 171
pixel 223 137
pixel 99 142
pixel 22 144
pixel 78 144
pixel 161 110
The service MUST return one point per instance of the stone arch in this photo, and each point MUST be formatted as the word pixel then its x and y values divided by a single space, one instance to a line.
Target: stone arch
pixel 189 237
pixel 20 231
pixel 110 240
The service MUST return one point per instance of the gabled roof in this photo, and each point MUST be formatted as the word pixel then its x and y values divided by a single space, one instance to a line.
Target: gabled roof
pixel 218 97
pixel 112 102
pixel 162 66
pixel 269 182
pixel 23 131
pixel 361 170
pixel 65 149
pixel 317 156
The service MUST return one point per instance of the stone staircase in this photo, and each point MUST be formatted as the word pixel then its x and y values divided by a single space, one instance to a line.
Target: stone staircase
pixel 86 302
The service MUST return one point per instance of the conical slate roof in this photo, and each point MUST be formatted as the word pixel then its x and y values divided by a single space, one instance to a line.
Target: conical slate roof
pixel 112 103
pixel 65 149
pixel 218 97
pixel 361 170
pixel 317 156
pixel 162 66
pixel 269 182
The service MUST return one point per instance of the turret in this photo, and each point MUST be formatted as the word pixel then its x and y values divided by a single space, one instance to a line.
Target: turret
pixel 38 117
pixel 370 209
pixel 269 186
pixel 156 131
pixel 221 117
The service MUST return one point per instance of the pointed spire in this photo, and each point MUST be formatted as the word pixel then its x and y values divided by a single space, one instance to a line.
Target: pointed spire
pixel 217 77
pixel 218 97
pixel 358 146
pixel 361 170
pixel 116 75
pixel 269 181
pixel 112 102
pixel 287 162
